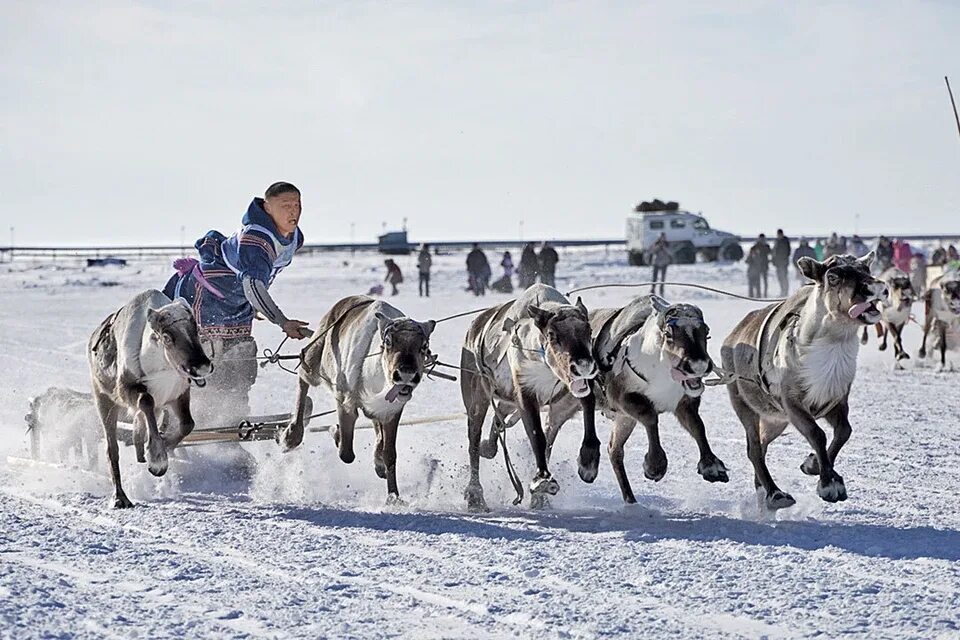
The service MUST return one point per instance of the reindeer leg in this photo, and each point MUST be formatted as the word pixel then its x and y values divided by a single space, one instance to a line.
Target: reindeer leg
pixel 476 402
pixel 343 433
pixel 710 466
pixel 378 466
pixel 830 486
pixel 943 346
pixel 622 428
pixel 108 418
pixel 638 407
pixel 882 334
pixel 292 435
pixel 542 482
pixel 898 350
pixel 390 427
pixel 185 423
pixel 864 336
pixel 588 461
pixel 156 448
pixel 558 414
pixel 774 497
pixel 840 421
pixel 927 321
pixel 139 437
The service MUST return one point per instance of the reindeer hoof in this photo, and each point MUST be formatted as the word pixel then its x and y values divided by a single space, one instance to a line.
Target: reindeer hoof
pixel 157 460
pixel 380 468
pixel 863 337
pixel 394 500
pixel 290 438
pixel 811 466
pixel 779 500
pixel 545 485
pixel 488 448
pixel 882 347
pixel 654 468
pixel 833 491
pixel 121 501
pixel 350 456
pixel 474 497
pixel 539 501
pixel 141 457
pixel 903 356
pixel 713 471
pixel 922 353
pixel 588 463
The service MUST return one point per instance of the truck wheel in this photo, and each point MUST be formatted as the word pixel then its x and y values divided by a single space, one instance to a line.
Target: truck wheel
pixel 685 254
pixel 635 258
pixel 732 252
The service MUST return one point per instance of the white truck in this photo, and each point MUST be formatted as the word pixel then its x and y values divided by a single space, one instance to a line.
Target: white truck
pixel 688 235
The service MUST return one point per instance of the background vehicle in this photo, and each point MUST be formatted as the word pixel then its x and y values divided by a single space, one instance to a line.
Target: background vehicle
pixel 689 235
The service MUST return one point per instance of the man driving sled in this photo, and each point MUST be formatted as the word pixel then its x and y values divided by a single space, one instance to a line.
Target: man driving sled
pixel 229 284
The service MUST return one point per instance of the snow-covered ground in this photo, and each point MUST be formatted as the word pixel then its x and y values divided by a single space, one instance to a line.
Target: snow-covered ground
pixel 305 547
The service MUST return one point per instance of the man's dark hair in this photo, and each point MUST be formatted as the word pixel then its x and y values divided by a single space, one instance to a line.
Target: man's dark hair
pixel 280 188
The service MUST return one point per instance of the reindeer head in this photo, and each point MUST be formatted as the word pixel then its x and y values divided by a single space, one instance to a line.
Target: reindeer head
pixel 846 288
pixel 900 290
pixel 405 352
pixel 175 330
pixel 950 290
pixel 685 336
pixel 567 345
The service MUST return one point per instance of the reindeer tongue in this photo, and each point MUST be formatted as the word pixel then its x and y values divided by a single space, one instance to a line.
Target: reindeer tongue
pixel 857 310
pixel 677 375
pixel 393 393
pixel 580 388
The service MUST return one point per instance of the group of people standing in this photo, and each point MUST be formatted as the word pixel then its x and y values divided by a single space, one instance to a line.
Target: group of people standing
pixel 532 266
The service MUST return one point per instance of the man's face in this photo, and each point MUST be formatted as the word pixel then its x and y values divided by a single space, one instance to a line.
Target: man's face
pixel 285 210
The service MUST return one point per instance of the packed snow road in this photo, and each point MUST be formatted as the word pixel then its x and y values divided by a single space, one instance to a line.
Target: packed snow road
pixel 302 546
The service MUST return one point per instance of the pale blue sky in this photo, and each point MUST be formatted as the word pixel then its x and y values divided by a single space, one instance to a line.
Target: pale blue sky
pixel 123 121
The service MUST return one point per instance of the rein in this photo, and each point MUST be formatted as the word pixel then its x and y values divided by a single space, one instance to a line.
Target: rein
pixel 632 285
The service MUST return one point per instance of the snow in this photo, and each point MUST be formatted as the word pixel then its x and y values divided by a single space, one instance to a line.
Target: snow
pixel 304 546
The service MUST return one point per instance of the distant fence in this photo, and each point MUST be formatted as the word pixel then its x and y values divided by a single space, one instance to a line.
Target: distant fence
pixel 139 252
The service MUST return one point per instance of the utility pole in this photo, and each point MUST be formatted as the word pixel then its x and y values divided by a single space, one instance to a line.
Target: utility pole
pixel 183 241
pixel 953 102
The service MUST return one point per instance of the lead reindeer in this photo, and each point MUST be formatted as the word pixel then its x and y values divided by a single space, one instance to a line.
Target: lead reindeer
pixel 521 356
pixel 142 360
pixel 371 358
pixel 942 321
pixel 895 313
pixel 652 357
pixel 794 362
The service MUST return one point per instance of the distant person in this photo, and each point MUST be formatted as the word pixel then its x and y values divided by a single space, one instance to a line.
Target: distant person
pixel 424 263
pixel 660 259
pixel 548 260
pixel 756 264
pixel 939 257
pixel 505 283
pixel 781 261
pixel 858 247
pixel 952 254
pixel 528 267
pixel 819 249
pixel 478 270
pixel 833 247
pixel 918 273
pixel 762 261
pixel 229 284
pixel 884 255
pixel 803 250
pixel 902 254
pixel 394 275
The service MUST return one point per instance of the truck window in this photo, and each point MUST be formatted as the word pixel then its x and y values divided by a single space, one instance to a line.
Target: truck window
pixel 701 225
pixel 656 224
pixel 677 224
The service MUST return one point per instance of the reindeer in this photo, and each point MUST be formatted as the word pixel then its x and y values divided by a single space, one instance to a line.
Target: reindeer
pixel 895 313
pixel 371 358
pixel 942 316
pixel 652 357
pixel 142 360
pixel 794 362
pixel 517 358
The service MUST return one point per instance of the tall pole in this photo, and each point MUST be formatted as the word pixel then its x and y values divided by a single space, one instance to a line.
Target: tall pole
pixel 953 102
